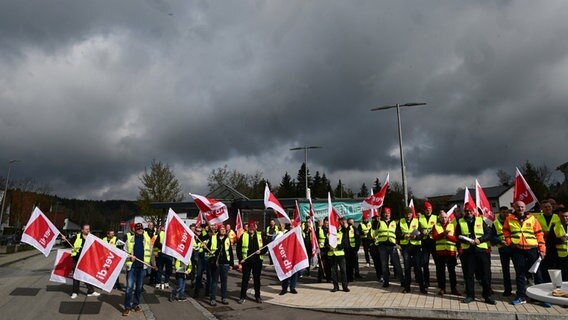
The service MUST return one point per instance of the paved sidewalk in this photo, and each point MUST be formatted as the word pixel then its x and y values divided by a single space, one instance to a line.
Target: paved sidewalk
pixel 372 299
pixel 8 258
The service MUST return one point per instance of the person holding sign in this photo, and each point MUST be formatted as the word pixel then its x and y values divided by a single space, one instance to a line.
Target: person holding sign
pixel 77 242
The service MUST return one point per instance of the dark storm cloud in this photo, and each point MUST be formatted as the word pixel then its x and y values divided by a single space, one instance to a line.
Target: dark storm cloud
pixel 91 92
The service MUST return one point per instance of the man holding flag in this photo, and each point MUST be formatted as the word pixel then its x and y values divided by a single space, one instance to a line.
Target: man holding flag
pixel 139 248
pixel 250 252
pixel 77 242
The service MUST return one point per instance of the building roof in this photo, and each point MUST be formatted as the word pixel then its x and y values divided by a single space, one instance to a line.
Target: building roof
pixel 490 192
pixel 226 192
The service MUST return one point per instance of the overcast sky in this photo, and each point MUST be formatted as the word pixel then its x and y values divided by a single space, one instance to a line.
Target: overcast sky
pixel 92 91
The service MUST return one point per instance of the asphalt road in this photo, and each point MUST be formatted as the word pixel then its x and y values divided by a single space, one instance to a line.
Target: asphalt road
pixel 27 293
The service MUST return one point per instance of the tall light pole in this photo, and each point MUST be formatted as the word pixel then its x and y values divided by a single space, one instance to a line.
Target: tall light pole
pixel 4 198
pixel 306 161
pixel 402 166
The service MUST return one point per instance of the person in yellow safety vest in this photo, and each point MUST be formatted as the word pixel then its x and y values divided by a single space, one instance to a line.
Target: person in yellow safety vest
pixel 210 257
pixel 139 248
pixel 351 252
pixel 525 236
pixel 111 239
pixel 163 261
pixel 307 237
pixel 270 234
pixel 364 229
pixel 77 242
pixel 231 234
pixel 446 253
pixel 498 240
pixel 374 247
pixel 223 262
pixel 182 272
pixel 386 240
pixel 250 247
pixel 292 281
pixel 337 257
pixel 560 230
pixel 427 222
pixel 324 270
pixel 474 235
pixel 408 234
pixel 199 257
pixel 547 219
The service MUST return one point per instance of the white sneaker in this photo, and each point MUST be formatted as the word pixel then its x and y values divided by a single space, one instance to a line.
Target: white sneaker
pixel 368 265
pixel 158 286
pixel 94 294
pixel 73 296
pixel 166 286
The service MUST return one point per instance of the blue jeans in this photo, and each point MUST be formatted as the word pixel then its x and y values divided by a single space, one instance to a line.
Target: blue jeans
pixel 180 290
pixel 522 261
pixel 135 276
pixel 201 268
pixel 222 272
pixel 164 263
pixel 290 281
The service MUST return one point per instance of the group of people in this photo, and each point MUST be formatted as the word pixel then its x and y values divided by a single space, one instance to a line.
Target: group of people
pixel 519 236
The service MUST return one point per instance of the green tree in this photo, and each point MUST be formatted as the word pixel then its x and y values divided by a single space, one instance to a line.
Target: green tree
pixel 301 178
pixel 287 188
pixel 364 191
pixel 247 184
pixel 159 184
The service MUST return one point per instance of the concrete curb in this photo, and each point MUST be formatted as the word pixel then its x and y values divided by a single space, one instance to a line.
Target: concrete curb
pixel 204 311
pixel 430 313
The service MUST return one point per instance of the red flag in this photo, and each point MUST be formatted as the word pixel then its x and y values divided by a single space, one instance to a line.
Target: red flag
pixel 523 192
pixel 63 269
pixel 214 211
pixel 312 212
pixel 239 225
pixel 483 203
pixel 288 253
pixel 333 218
pixel 296 222
pixel 377 200
pixel 468 199
pixel 179 238
pixel 100 263
pixel 313 238
pixel 270 201
pixel 411 206
pixel 40 232
pixel 451 215
pixel 199 220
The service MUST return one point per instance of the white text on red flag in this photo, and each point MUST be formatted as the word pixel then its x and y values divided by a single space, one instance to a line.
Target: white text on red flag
pixel 288 254
pixel 40 232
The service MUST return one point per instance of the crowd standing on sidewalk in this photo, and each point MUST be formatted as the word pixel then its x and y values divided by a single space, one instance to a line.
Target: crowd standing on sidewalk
pixel 406 244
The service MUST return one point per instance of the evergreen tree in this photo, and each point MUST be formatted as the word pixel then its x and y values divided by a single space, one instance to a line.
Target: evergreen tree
pixel 339 192
pixel 301 178
pixel 317 186
pixel 363 192
pixel 377 186
pixel 287 188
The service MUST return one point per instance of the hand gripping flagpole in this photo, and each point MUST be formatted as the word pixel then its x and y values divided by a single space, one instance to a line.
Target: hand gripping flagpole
pixel 203 243
pixel 254 253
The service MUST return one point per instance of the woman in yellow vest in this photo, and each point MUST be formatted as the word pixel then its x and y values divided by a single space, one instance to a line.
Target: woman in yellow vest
pixel 220 262
pixel 446 252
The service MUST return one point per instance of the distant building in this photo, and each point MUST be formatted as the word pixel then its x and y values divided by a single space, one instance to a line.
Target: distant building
pixel 498 196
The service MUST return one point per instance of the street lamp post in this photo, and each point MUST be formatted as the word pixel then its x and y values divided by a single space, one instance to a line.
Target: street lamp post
pixel 306 162
pixel 402 166
pixel 4 198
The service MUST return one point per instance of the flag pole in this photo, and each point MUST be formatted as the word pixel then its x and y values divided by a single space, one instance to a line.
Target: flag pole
pixel 196 237
pixel 254 253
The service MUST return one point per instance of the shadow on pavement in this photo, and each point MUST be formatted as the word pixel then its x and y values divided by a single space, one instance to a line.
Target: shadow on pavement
pixel 80 307
pixel 25 292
